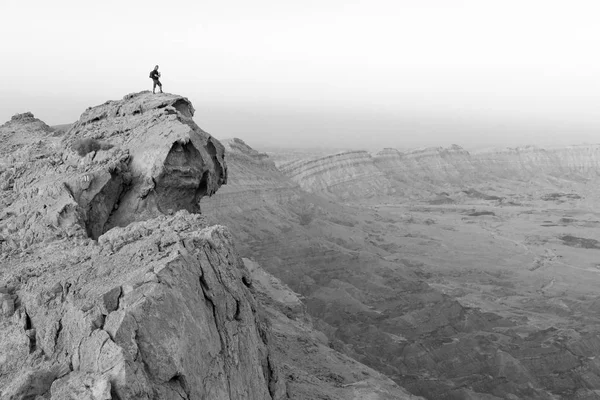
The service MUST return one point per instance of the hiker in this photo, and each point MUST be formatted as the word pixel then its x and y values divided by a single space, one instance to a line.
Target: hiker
pixel 154 74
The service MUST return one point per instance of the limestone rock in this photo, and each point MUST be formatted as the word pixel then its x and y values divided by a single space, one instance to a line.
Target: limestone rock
pixel 81 386
pixel 147 158
pixel 172 163
pixel 181 324
pixel 158 306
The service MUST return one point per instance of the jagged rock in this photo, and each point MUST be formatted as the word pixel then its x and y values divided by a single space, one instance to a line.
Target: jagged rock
pixel 182 322
pixel 33 382
pixel 81 386
pixel 172 163
pixel 160 307
pixel 157 307
pixel 154 160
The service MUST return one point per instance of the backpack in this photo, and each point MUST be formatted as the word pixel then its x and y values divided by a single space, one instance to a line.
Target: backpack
pixel 151 77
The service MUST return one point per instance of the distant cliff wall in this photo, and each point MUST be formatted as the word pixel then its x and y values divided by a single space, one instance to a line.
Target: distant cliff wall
pixel 424 172
pixel 345 175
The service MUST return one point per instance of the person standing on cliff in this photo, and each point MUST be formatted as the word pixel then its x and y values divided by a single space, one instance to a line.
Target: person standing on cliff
pixel 154 74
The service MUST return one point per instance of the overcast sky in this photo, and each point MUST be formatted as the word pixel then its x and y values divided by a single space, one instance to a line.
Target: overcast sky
pixel 336 73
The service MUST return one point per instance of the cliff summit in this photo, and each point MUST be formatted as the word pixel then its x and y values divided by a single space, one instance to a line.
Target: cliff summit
pixel 114 286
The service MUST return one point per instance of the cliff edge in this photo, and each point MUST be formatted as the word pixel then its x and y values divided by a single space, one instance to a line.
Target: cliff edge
pixel 112 286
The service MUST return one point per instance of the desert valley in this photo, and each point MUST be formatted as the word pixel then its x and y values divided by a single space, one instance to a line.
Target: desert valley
pixel 142 258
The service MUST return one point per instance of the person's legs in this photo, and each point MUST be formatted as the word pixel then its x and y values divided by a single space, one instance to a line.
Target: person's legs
pixel 160 86
pixel 154 86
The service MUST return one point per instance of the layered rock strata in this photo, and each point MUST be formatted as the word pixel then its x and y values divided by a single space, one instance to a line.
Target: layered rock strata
pixel 424 172
pixel 345 175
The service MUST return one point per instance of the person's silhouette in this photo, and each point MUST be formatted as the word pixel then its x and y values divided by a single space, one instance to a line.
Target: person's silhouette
pixel 154 74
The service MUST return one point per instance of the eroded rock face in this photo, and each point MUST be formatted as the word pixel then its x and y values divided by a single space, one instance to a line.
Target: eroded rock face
pixel 172 162
pixel 414 174
pixel 348 175
pixel 143 157
pixel 158 309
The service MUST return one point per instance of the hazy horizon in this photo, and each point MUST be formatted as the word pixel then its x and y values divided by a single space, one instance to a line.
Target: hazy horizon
pixel 351 74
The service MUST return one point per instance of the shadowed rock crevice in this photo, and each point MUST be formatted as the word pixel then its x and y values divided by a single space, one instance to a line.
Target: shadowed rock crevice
pixel 221 168
pixel 160 162
pixel 178 384
pixel 102 205
pixel 184 108
pixel 183 181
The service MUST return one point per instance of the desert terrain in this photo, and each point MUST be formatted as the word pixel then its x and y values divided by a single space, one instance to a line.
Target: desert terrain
pixel 458 275
pixel 159 262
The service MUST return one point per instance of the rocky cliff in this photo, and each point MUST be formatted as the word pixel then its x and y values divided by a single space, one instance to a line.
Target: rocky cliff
pixel 425 172
pixel 345 175
pixel 171 162
pixel 114 286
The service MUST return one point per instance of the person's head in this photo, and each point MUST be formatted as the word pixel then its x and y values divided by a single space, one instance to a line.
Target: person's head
pixel 156 68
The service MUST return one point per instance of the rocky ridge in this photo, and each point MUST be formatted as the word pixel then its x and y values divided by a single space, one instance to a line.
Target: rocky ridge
pixel 112 286
pixel 421 172
pixel 158 308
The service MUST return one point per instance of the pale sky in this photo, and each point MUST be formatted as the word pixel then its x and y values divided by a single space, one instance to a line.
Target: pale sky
pixel 357 74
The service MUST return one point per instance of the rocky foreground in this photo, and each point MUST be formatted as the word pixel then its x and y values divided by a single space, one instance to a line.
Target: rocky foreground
pixel 113 286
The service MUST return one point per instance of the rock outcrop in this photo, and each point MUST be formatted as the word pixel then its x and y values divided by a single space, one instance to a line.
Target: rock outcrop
pixel 111 283
pixel 23 129
pixel 114 286
pixel 158 309
pixel 143 157
pixel 171 163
